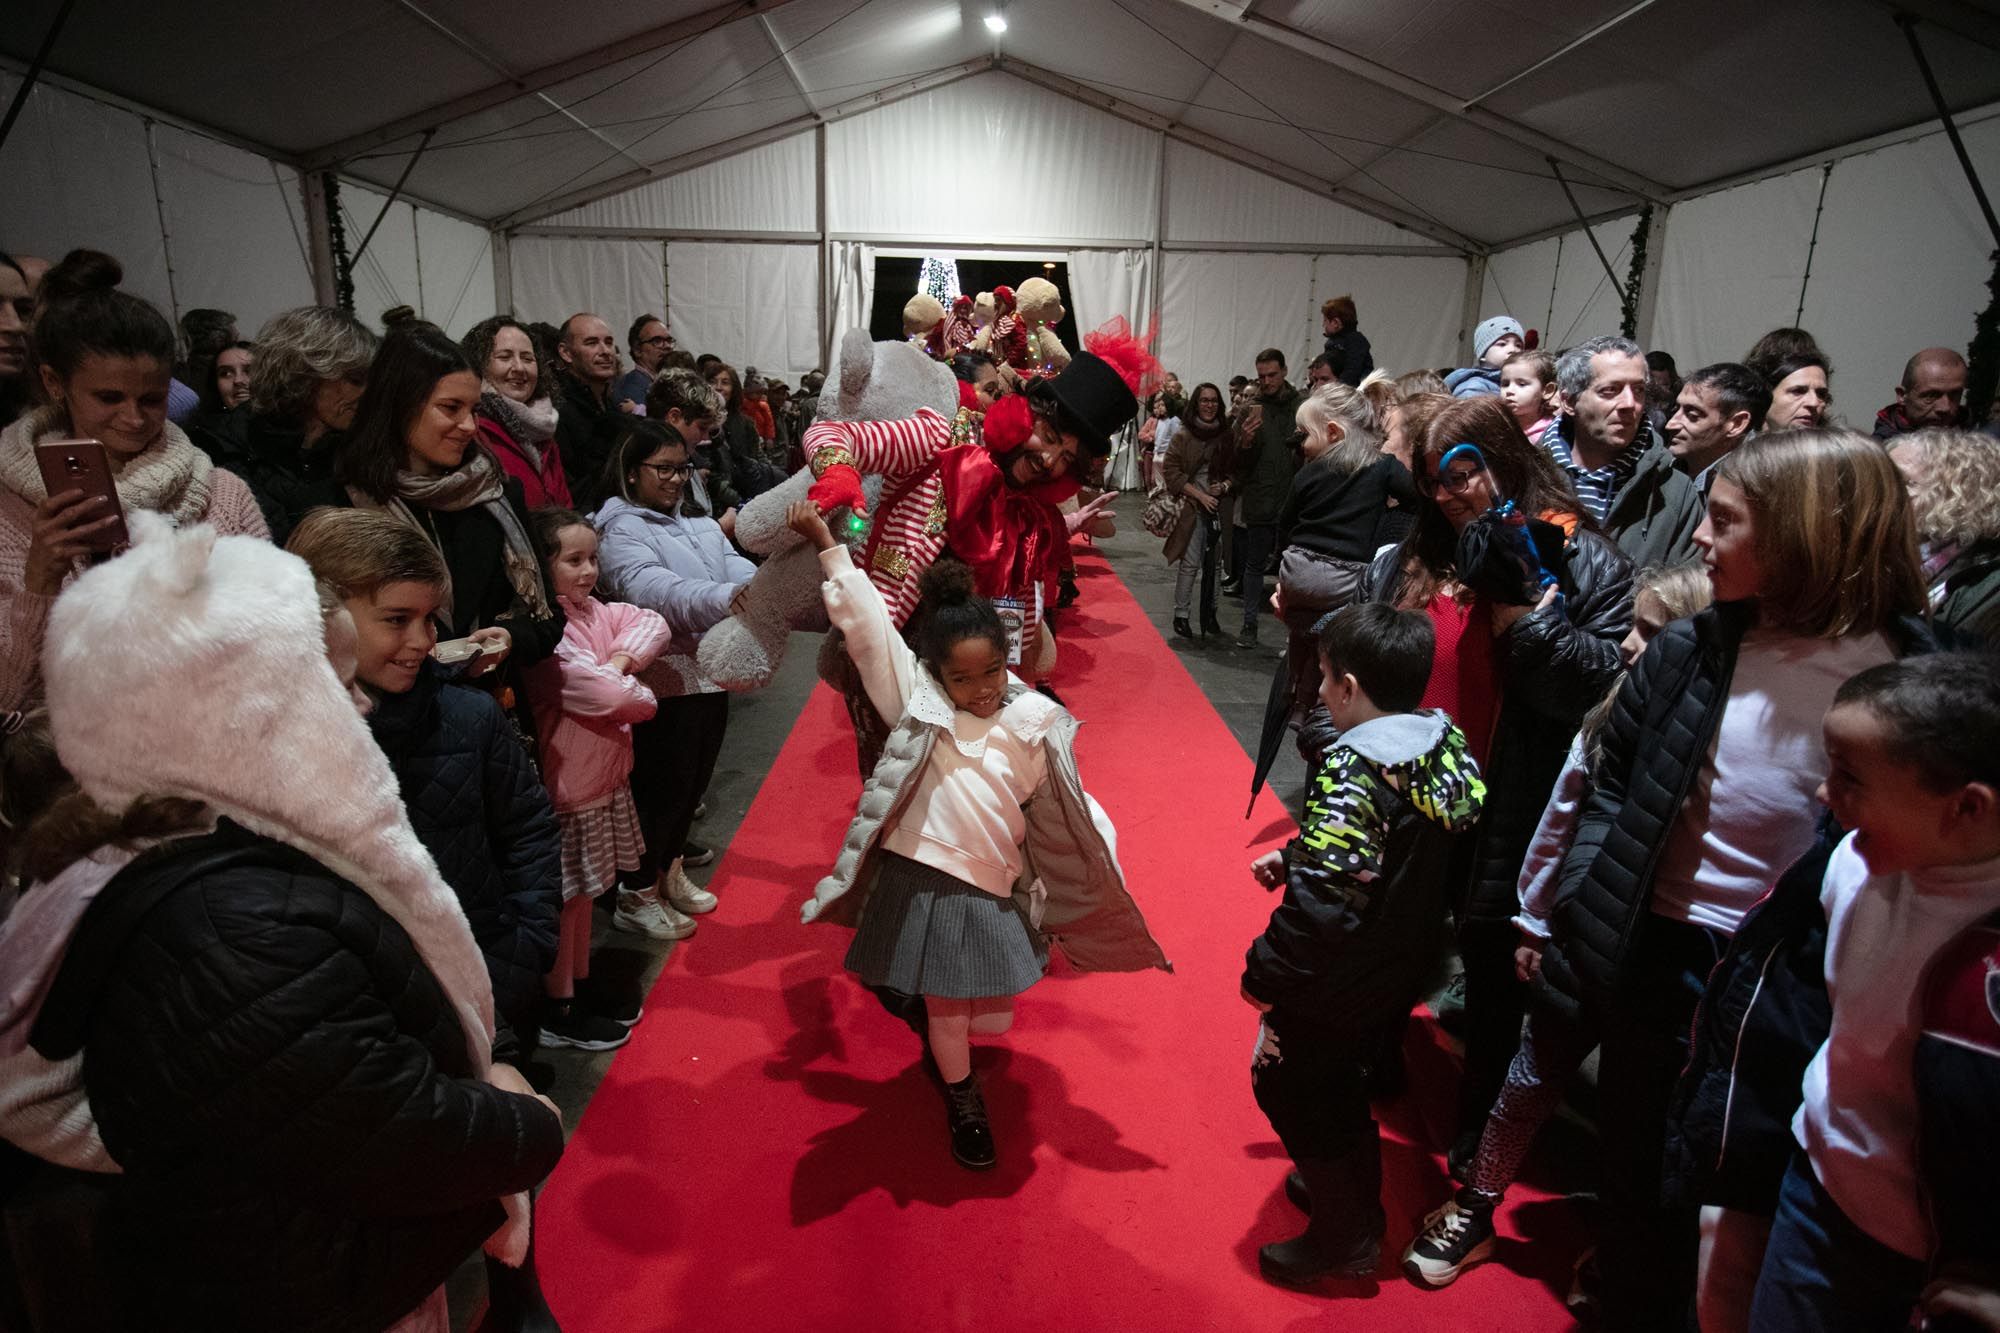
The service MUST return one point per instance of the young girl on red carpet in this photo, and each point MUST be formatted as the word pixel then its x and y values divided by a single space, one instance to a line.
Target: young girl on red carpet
pixel 975 846
pixel 586 698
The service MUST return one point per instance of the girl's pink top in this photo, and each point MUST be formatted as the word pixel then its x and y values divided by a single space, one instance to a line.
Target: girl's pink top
pixel 585 707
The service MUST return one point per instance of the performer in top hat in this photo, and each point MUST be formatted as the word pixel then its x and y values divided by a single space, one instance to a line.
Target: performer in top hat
pixel 986 494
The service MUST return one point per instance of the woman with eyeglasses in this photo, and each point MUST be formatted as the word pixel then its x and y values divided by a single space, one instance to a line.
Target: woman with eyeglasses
pixel 1517 666
pixel 653 553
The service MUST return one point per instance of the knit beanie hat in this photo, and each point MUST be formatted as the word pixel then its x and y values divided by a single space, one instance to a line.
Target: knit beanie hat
pixel 195 666
pixel 1491 331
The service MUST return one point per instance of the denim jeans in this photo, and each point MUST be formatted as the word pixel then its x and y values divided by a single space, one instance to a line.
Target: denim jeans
pixel 1824 1274
pixel 1255 543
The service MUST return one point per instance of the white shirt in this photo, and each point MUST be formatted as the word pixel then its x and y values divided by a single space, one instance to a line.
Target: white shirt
pixel 1858 1123
pixel 1751 811
pixel 964 816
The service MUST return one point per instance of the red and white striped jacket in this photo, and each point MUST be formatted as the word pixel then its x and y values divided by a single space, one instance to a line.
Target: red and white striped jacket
pixel 909 527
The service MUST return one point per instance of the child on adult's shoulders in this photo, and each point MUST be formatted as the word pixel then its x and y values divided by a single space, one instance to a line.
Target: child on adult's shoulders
pixel 1493 343
pixel 1348 951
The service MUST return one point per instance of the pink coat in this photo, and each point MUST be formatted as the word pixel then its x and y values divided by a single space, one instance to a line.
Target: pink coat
pixel 585 708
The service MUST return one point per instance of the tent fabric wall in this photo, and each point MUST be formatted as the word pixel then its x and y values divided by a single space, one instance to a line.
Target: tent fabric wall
pixel 438 265
pixel 747 303
pixel 1219 310
pixel 556 278
pixel 50 207
pixel 1558 286
pixel 853 278
pixel 1731 266
pixel 1410 307
pixel 989 159
pixel 1902 264
pixel 765 189
pixel 1105 284
pixel 1210 198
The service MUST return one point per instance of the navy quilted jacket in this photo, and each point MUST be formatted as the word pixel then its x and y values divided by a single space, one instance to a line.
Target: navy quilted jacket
pixel 479 807
pixel 287 1091
pixel 1659 733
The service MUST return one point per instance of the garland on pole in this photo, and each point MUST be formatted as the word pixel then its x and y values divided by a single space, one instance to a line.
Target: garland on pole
pixel 1628 301
pixel 1982 375
pixel 336 233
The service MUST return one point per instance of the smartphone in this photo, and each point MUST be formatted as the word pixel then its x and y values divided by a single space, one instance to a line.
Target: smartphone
pixel 84 465
pixel 451 651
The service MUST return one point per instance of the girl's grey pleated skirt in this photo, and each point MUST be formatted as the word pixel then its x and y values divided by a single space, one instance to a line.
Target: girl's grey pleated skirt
pixel 926 932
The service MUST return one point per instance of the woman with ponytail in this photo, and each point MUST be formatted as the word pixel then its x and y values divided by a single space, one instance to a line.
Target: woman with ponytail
pixel 105 359
pixel 977 777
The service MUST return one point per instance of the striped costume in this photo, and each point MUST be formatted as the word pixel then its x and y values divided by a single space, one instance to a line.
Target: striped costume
pixel 909 530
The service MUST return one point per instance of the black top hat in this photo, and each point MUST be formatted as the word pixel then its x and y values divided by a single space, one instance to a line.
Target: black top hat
pixel 1095 397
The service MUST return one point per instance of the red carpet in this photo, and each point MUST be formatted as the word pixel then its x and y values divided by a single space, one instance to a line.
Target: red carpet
pixel 768 1154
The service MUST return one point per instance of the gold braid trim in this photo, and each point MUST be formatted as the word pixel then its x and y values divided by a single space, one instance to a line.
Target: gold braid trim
pixel 831 455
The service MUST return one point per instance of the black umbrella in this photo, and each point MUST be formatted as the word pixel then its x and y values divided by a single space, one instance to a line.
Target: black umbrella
pixel 1277 714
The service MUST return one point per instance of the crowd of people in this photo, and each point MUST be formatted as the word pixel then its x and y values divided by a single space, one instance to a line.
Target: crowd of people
pixel 1617 671
pixel 345 672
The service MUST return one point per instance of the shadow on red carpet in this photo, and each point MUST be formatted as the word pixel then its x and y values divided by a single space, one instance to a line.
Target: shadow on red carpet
pixel 767 1153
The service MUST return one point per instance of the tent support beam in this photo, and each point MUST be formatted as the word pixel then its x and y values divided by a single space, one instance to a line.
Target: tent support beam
pixel 394 194
pixel 1417 91
pixel 785 59
pixel 1553 56
pixel 503 272
pixel 1956 17
pixel 35 68
pixel 1908 23
pixel 639 44
pixel 784 129
pixel 825 247
pixel 319 239
pixel 1468 313
pixel 1584 222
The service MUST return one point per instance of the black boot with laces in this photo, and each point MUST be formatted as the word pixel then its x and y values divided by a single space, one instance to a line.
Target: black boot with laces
pixel 971 1136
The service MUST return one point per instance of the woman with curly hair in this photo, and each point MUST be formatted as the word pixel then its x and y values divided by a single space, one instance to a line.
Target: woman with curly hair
pixel 1954 479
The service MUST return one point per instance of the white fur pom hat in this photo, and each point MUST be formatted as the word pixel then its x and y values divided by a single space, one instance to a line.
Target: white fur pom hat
pixel 195 666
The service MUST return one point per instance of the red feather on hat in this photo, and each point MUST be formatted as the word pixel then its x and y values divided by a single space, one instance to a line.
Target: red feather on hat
pixel 1126 352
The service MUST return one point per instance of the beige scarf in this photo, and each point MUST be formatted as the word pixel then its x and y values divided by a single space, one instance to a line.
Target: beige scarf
pixel 479 481
pixel 169 476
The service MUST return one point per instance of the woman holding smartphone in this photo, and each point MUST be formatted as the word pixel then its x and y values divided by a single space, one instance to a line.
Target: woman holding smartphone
pixel 105 358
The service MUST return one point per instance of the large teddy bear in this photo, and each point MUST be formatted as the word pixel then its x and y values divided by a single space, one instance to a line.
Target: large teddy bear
pixel 885 381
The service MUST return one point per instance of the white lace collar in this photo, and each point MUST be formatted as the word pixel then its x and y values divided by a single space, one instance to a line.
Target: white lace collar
pixel 1026 717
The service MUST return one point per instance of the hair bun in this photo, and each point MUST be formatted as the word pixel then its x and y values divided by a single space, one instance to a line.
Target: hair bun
pixel 399 317
pixel 80 272
pixel 948 582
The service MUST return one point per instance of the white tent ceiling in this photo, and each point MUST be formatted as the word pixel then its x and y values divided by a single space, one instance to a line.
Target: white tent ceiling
pixel 1439 115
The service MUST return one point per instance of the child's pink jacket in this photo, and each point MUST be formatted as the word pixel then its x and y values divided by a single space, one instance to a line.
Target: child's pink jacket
pixel 585 708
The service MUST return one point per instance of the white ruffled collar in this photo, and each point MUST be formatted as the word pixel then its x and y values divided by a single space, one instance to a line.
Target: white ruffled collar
pixel 1026 717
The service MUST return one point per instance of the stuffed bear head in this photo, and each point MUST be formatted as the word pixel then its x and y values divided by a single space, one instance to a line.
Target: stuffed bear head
pixel 885 381
pixel 921 314
pixel 984 310
pixel 1039 303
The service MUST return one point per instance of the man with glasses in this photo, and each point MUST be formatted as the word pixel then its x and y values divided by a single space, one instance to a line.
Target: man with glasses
pixel 648 342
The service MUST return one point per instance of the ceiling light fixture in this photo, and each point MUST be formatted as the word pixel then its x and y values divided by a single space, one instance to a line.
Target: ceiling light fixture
pixel 996 22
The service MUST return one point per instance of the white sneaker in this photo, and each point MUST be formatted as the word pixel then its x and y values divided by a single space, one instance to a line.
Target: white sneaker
pixel 645 914
pixel 687 896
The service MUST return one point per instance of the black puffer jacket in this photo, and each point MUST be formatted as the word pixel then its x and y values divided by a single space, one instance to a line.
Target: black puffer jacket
pixel 1654 745
pixel 287 478
pixel 1555 664
pixel 1759 1024
pixel 287 1091
pixel 485 817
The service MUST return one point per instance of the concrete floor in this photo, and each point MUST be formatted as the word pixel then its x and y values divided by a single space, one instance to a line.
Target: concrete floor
pixel 1236 681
